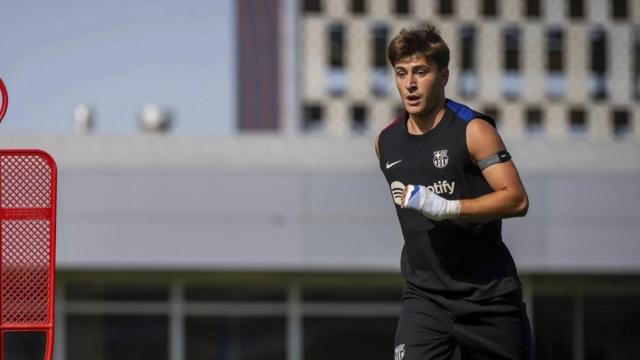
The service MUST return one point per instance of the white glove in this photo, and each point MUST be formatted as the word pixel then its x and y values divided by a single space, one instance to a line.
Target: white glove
pixel 430 204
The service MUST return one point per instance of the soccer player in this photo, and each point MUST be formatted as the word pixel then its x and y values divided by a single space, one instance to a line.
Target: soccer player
pixel 452 181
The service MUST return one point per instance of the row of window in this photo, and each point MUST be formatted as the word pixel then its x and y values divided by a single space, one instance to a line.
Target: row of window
pixel 567 324
pixel 532 9
pixel 512 48
pixel 534 120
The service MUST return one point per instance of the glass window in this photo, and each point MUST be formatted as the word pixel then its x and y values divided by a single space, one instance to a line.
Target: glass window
pixel 117 337
pixel 313 118
pixel 636 64
pixel 490 8
pixel 336 45
pixel 380 35
pixel 621 124
pixel 511 40
pixel 90 291
pixel 218 338
pixel 619 9
pixel 554 50
pixel 467 81
pixel 598 88
pixel 534 122
pixel 578 122
pixel 611 327
pixel 342 338
pixel 358 6
pixel 532 9
pixel 402 7
pixel 235 293
pixel 312 6
pixel 576 9
pixel 359 119
pixel 553 324
pixel 24 345
pixel 352 294
pixel 446 7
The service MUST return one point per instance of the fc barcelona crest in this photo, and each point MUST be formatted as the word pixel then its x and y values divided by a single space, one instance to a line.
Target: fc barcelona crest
pixel 440 158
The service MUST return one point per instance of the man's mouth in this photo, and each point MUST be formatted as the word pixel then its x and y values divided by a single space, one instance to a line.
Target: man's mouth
pixel 413 100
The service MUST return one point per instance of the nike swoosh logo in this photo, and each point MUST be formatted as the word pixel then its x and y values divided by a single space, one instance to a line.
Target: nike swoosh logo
pixel 393 163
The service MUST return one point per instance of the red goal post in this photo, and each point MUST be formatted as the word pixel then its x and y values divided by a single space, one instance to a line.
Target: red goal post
pixel 27 243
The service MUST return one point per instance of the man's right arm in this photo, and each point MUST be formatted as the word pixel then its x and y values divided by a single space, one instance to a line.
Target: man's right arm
pixel 375 144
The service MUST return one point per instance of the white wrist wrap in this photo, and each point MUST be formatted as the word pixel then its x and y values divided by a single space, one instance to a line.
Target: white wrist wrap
pixel 430 204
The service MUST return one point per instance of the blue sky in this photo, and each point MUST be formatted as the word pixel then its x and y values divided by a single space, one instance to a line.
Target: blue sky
pixel 118 56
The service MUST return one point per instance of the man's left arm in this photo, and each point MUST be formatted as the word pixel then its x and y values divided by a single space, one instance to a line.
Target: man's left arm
pixel 509 198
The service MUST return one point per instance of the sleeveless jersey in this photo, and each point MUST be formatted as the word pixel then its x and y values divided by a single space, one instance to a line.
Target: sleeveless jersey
pixel 454 258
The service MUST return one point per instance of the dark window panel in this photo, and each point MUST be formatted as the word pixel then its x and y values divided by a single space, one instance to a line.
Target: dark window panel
pixel 553 327
pixel 86 291
pixel 446 7
pixel 359 118
pixel 532 9
pixel 493 112
pixel 621 124
pixel 358 6
pixel 380 40
pixel 348 338
pixel 534 121
pixel 468 44
pixel 237 293
pixel 336 45
pixel 555 48
pixel 511 40
pixel 313 117
pixel 619 9
pixel 577 121
pixel 490 8
pixel 402 7
pixel 219 338
pixel 611 327
pixel 351 294
pixel 312 6
pixel 117 337
pixel 576 9
pixel 24 345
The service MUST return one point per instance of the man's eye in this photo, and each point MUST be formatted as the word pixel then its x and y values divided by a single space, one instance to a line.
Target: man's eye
pixel 400 74
pixel 422 72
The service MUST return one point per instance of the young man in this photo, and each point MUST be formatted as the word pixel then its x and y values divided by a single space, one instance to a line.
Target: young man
pixel 452 182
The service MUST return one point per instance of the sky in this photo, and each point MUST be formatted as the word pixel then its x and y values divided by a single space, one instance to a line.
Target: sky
pixel 117 56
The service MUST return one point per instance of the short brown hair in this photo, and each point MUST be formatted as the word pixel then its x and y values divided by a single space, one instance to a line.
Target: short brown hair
pixel 424 42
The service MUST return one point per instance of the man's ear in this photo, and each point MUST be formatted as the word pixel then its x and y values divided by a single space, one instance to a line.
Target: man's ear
pixel 444 74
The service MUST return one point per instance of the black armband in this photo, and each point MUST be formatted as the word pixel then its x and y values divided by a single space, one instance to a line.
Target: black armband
pixel 500 157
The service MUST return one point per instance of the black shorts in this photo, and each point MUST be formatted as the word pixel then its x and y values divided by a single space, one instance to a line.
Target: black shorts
pixel 433 327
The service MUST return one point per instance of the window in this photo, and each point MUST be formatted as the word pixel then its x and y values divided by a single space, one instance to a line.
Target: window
pixel 446 7
pixel 555 81
pixel 340 338
pixel 576 9
pixel 312 6
pixel 493 112
pixel 619 9
pixel 511 78
pixel 611 327
pixel 402 7
pixel 241 338
pixel 238 294
pixel 359 119
pixel 467 82
pixel 23 345
pixel 532 9
pixel 636 65
pixel 553 327
pixel 534 123
pixel 511 40
pixel 313 118
pixel 598 58
pixel 490 8
pixel 336 45
pixel 92 291
pixel 577 122
pixel 140 337
pixel 621 125
pixel 380 38
pixel 358 6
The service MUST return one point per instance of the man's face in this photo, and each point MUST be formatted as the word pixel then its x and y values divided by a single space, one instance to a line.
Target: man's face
pixel 420 84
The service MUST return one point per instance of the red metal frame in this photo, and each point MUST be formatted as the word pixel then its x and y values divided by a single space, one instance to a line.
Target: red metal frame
pixel 28 183
pixel 4 99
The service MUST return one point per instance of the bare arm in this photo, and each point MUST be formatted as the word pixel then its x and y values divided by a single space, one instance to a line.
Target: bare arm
pixel 509 198
pixel 375 144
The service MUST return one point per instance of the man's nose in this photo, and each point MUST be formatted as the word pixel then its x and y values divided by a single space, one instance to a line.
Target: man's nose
pixel 410 82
